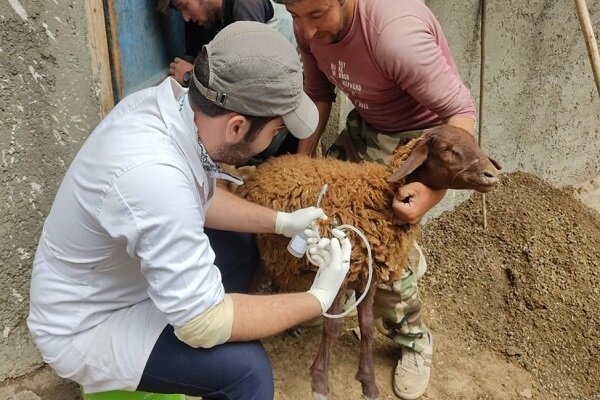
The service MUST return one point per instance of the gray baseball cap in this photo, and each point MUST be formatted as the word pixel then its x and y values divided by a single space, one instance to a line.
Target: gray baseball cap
pixel 255 70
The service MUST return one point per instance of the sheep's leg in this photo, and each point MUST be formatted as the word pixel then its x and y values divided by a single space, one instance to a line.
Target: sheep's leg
pixel 320 366
pixel 366 370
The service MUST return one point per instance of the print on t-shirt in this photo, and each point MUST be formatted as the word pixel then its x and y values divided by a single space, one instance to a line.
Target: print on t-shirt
pixel 341 79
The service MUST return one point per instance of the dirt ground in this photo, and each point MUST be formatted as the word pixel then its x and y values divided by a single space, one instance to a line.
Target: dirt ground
pixel 515 308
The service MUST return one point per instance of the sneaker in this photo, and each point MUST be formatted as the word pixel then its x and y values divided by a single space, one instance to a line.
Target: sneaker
pixel 413 372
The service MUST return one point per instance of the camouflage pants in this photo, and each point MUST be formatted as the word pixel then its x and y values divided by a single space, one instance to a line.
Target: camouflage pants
pixel 398 305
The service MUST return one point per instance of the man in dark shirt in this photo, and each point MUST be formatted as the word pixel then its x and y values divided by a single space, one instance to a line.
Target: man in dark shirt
pixel 205 18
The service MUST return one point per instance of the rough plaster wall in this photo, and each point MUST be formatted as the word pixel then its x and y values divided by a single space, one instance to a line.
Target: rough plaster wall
pixel 542 111
pixel 47 108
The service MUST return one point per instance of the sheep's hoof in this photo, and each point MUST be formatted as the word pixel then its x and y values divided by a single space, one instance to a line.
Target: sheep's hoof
pixel 371 398
pixel 319 396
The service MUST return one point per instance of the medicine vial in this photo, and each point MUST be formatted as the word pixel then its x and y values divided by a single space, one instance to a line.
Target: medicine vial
pixel 297 245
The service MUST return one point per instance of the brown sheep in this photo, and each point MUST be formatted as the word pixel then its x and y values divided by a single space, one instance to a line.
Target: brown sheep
pixel 445 157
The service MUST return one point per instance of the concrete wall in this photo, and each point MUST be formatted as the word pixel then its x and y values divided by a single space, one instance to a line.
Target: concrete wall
pixel 541 109
pixel 541 115
pixel 47 108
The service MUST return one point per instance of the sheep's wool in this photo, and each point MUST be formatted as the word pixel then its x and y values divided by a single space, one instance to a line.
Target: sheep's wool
pixel 358 194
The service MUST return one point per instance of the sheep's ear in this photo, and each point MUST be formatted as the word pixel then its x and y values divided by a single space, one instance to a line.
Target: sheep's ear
pixel 415 159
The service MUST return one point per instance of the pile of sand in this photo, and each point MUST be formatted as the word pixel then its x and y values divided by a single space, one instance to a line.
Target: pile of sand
pixel 528 286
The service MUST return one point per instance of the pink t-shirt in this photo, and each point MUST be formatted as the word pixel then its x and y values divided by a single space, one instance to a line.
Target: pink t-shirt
pixel 394 65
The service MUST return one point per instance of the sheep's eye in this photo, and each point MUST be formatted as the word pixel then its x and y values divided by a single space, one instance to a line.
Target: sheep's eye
pixel 449 154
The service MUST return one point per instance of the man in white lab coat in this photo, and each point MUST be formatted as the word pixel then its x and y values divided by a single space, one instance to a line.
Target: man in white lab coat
pixel 125 293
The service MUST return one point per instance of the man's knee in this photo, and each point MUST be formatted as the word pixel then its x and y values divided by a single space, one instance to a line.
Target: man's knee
pixel 255 374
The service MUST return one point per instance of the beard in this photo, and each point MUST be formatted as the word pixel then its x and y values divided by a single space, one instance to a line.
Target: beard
pixel 213 14
pixel 235 154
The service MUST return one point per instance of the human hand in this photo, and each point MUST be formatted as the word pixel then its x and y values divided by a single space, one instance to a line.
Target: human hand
pixel 288 224
pixel 413 200
pixel 333 258
pixel 179 67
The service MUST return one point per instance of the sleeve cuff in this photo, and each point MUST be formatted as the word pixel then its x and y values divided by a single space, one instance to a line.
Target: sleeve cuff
pixel 211 328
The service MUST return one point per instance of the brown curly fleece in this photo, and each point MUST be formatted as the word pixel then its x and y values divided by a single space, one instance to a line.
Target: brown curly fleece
pixel 358 194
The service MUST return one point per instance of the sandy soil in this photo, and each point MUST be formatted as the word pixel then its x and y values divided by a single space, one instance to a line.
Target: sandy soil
pixel 514 308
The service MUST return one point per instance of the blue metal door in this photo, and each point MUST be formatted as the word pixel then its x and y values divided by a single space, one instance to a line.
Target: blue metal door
pixel 142 42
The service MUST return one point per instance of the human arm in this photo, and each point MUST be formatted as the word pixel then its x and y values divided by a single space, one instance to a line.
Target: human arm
pixel 466 123
pixel 229 212
pixel 413 200
pixel 248 317
pixel 232 213
pixel 258 317
pixel 423 67
pixel 179 67
pixel 320 90
pixel 241 317
pixel 307 146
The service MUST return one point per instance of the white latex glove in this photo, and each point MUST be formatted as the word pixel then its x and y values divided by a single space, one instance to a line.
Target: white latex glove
pixel 288 224
pixel 316 246
pixel 333 257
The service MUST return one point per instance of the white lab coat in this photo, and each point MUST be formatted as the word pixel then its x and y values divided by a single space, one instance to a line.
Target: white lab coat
pixel 123 251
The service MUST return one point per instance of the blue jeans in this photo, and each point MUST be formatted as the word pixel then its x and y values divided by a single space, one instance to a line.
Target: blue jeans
pixel 230 371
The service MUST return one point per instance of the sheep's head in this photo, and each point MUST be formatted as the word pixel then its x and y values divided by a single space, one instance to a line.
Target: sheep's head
pixel 447 157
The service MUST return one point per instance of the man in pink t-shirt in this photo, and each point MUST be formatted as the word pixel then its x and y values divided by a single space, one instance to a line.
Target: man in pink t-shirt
pixel 391 59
